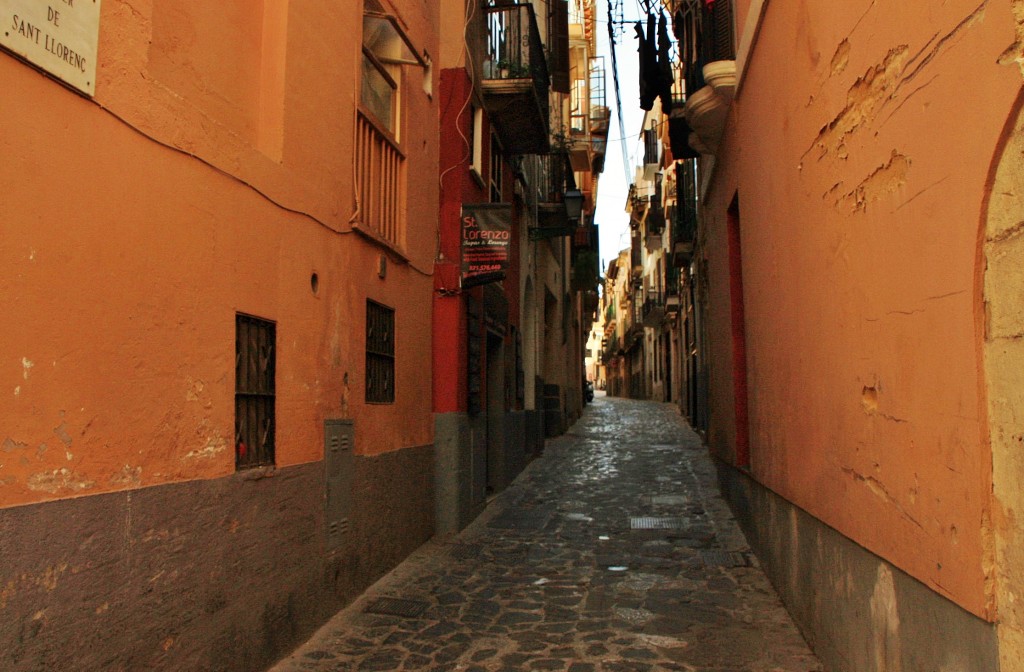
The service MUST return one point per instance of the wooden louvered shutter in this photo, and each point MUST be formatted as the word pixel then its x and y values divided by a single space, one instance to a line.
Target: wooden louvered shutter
pixel 558 38
pixel 721 17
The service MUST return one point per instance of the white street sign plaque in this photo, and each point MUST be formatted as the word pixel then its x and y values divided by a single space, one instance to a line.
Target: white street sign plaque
pixel 58 36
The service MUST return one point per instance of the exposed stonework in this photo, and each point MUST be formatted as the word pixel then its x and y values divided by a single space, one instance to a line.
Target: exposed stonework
pixel 1003 259
pixel 1015 52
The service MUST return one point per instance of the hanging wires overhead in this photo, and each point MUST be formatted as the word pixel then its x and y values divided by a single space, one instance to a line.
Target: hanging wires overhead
pixel 612 4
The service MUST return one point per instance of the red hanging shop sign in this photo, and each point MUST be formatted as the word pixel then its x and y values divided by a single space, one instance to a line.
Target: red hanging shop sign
pixel 486 237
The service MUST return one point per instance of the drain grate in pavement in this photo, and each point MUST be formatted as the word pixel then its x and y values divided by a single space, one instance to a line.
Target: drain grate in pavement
pixel 720 558
pixel 396 606
pixel 657 523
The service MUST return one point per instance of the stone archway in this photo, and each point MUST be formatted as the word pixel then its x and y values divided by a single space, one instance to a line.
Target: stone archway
pixel 1002 280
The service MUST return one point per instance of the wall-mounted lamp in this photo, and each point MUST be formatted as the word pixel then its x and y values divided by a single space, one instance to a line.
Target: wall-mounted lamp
pixel 573 200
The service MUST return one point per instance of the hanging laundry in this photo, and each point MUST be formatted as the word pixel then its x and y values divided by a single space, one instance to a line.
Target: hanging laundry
pixel 650 78
pixel 665 76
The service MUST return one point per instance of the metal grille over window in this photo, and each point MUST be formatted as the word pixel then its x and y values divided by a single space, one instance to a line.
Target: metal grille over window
pixel 255 355
pixel 380 354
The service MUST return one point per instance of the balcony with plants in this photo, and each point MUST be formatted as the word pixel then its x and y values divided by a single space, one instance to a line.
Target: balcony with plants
pixel 515 79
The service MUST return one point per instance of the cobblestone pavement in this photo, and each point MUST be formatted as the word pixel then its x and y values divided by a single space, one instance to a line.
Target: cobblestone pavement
pixel 611 552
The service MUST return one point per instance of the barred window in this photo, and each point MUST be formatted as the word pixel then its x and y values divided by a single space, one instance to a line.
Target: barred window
pixel 380 354
pixel 255 355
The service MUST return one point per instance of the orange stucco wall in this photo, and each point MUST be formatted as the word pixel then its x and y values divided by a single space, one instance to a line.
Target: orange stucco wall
pixel 859 147
pixel 207 177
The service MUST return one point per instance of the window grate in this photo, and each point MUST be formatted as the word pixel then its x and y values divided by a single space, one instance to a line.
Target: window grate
pixel 380 354
pixel 255 364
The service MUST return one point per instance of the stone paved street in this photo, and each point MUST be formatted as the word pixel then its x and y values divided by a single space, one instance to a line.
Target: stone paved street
pixel 612 552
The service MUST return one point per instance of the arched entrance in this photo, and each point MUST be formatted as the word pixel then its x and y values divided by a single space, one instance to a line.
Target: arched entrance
pixel 1001 275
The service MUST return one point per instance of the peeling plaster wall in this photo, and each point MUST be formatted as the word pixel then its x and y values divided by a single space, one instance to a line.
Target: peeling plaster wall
pixel 859 147
pixel 137 224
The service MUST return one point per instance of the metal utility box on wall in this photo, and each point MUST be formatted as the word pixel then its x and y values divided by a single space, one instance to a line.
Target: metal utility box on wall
pixel 339 437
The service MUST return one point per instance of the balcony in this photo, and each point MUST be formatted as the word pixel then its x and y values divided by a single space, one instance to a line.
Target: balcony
pixel 515 79
pixel 684 217
pixel 611 350
pixel 653 310
pixel 672 304
pixel 672 299
pixel 553 169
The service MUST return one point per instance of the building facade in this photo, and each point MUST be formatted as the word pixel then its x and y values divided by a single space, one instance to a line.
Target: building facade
pixel 834 214
pixel 522 146
pixel 217 258
pixel 857 300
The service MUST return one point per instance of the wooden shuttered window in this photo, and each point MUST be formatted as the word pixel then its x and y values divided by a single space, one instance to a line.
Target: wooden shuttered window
pixel 558 38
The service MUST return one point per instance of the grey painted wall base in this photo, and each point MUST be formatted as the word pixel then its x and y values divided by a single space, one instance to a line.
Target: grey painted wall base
pixel 222 574
pixel 460 442
pixel 858 612
pixel 515 445
pixel 534 432
pixel 456 500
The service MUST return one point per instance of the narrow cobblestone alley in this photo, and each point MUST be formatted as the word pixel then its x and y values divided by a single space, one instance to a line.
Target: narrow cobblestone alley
pixel 612 552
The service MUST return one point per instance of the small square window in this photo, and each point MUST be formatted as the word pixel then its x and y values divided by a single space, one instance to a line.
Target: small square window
pixel 255 364
pixel 380 354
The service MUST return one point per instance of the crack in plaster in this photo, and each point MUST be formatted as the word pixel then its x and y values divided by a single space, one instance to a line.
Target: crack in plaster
pixel 1015 52
pixel 879 490
pixel 926 189
pixel 1006 234
pixel 861 99
pixel 882 83
pixel 883 181
pixel 841 58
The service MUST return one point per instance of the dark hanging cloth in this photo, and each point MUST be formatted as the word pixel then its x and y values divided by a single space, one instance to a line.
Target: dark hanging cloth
pixel 665 75
pixel 640 48
pixel 679 139
pixel 650 77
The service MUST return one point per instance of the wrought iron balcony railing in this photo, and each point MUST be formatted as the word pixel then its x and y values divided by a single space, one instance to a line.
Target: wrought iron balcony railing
pixel 516 79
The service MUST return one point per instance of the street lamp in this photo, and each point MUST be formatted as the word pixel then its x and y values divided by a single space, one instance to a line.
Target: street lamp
pixel 573 200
